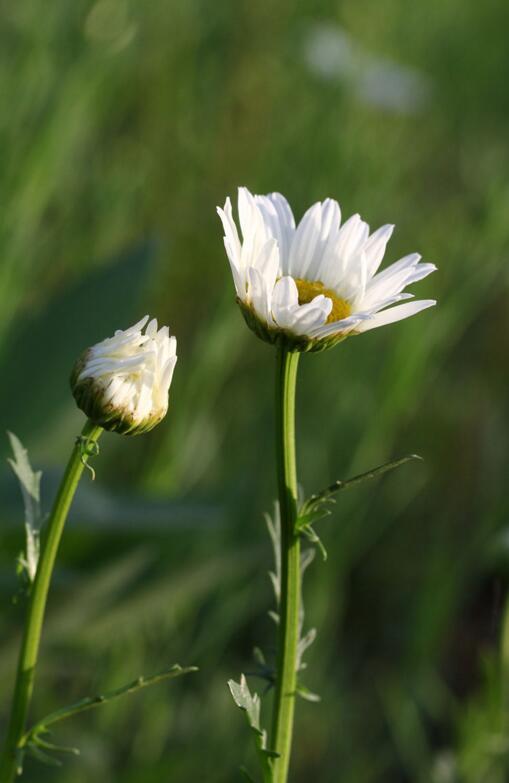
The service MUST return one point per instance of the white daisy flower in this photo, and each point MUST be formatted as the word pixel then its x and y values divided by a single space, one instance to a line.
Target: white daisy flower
pixel 315 283
pixel 122 383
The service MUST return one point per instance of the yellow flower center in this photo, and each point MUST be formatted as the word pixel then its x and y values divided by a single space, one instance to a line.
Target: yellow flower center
pixel 309 289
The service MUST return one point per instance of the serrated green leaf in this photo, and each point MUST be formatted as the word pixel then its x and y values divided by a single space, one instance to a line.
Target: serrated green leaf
pixel 30 482
pixel 248 702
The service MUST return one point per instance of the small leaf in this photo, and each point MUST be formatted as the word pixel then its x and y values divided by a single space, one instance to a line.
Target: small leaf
pixel 311 505
pixel 274 616
pixel 274 528
pixel 40 743
pixel 247 775
pixel 311 535
pixel 303 644
pixel 250 704
pixel 314 514
pixel 247 702
pixel 259 656
pixel 44 758
pixel 262 670
pixel 33 739
pixel 306 694
pixel 306 558
pixel 30 482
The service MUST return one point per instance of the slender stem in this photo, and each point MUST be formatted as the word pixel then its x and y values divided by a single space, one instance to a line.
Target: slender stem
pixel 504 670
pixel 288 635
pixel 10 760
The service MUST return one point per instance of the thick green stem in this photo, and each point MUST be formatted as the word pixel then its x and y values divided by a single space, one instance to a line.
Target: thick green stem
pixel 288 635
pixel 10 760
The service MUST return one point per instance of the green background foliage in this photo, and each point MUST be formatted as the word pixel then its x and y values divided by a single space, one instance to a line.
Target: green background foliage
pixel 123 125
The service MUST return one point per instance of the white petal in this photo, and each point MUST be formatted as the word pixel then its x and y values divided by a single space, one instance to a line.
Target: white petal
pixel 394 279
pixel 351 236
pixel 254 231
pixel 324 262
pixel 238 273
pixel 151 329
pixel 285 293
pixel 279 221
pixel 259 294
pixel 344 325
pixel 344 270
pixel 167 374
pixel 395 314
pixel 249 215
pixel 374 248
pixel 137 327
pixel 421 271
pixel 285 300
pixel 312 315
pixel 389 301
pixel 233 248
pixel 304 242
pixel 230 229
pixel 267 262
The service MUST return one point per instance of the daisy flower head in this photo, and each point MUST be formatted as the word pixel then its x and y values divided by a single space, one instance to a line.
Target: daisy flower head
pixel 315 283
pixel 122 383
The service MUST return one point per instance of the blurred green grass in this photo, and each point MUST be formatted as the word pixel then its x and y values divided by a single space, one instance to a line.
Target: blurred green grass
pixel 124 125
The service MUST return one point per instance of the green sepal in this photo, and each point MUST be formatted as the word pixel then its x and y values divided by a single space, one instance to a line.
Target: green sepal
pixel 292 342
pixel 89 396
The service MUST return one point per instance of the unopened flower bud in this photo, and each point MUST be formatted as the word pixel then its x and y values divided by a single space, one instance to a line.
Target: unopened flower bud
pixel 122 383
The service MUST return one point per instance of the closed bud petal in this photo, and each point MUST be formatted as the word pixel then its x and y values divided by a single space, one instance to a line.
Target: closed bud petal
pixel 122 383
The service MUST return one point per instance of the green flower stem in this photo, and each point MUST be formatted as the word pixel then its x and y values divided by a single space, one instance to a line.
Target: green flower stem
pixel 288 634
pixel 504 670
pixel 11 756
